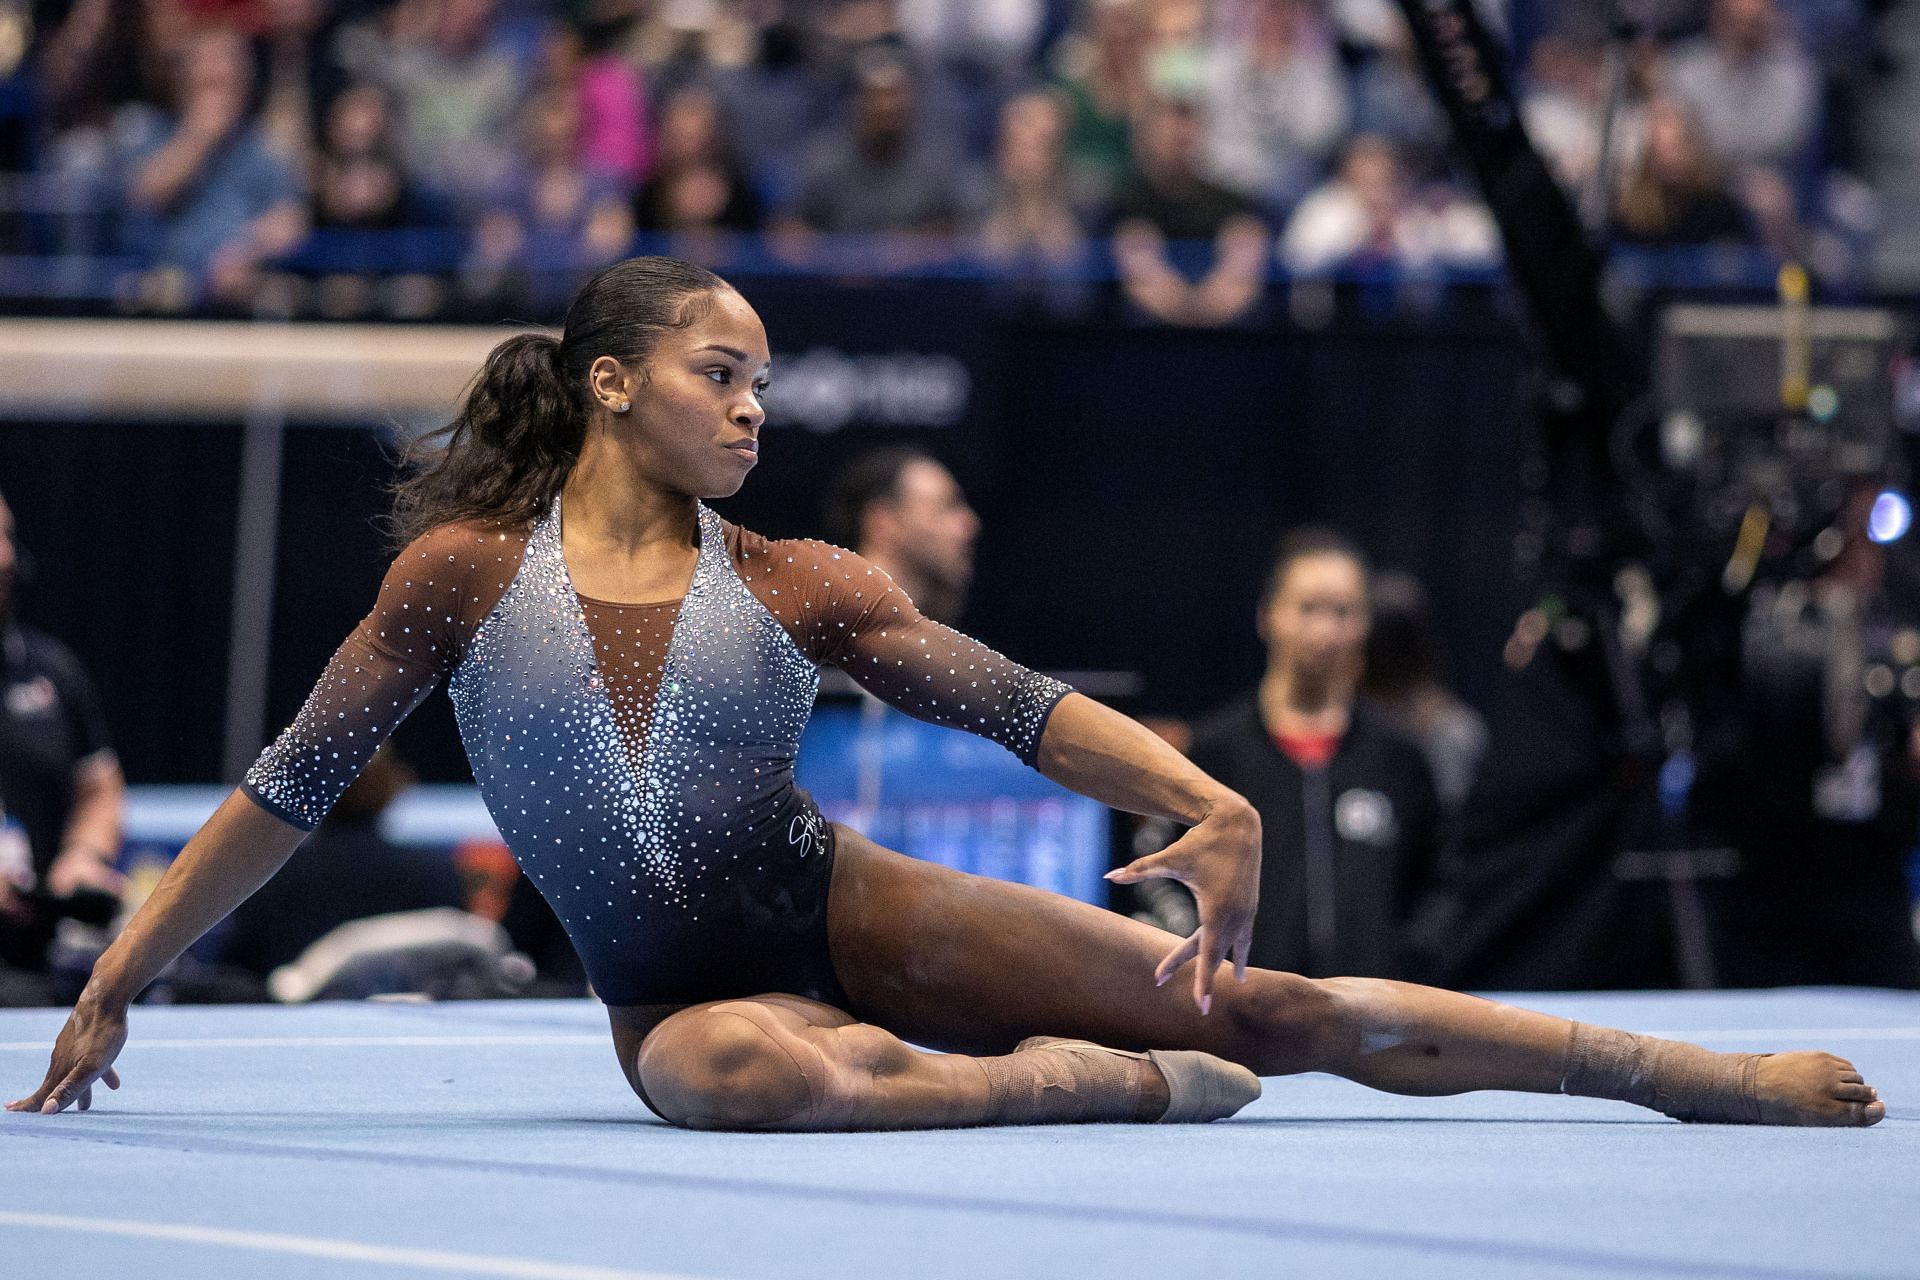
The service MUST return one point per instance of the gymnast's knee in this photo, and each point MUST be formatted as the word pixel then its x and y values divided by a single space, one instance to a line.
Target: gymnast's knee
pixel 721 1068
pixel 1281 1023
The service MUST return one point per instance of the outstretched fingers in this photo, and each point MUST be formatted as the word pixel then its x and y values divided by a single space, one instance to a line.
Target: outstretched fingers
pixel 1170 964
pixel 82 1053
pixel 53 1097
pixel 1206 947
pixel 34 1100
pixel 110 1078
pixel 1158 867
pixel 1226 904
pixel 79 1082
pixel 1211 953
pixel 1151 867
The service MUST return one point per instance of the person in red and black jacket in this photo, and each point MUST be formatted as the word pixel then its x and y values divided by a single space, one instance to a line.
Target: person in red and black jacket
pixel 1347 805
pixel 61 794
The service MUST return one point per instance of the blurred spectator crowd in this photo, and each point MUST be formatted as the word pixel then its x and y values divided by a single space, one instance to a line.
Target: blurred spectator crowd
pixel 403 158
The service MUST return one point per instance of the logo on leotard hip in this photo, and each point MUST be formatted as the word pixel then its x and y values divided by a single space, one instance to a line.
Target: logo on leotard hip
pixel 804 832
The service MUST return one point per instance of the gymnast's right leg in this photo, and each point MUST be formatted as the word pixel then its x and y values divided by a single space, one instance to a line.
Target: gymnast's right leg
pixel 778 1062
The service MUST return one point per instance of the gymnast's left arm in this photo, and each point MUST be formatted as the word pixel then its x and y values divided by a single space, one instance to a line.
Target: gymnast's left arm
pixel 1096 751
pixel 863 623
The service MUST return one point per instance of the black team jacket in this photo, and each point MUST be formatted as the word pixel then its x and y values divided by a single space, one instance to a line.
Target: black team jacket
pixel 1349 847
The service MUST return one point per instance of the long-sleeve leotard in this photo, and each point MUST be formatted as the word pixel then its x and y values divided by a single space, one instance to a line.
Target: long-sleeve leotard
pixel 638 757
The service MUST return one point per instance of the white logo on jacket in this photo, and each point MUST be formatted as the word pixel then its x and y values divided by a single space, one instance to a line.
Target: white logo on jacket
pixel 35 697
pixel 1365 817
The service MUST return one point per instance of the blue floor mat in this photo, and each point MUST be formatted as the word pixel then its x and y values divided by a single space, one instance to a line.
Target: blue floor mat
pixel 499 1139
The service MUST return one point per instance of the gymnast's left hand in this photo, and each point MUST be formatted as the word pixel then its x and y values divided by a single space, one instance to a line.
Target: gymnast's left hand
pixel 1219 860
pixel 84 1052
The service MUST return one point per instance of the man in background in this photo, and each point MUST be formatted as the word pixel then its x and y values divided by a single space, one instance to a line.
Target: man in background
pixel 904 511
pixel 1167 201
pixel 61 793
pixel 884 174
pixel 206 196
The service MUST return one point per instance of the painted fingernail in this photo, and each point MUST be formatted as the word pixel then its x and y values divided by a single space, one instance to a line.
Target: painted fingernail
pixel 1206 1005
pixel 1161 981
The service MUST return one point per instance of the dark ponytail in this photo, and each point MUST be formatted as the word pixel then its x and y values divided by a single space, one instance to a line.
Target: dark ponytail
pixel 519 431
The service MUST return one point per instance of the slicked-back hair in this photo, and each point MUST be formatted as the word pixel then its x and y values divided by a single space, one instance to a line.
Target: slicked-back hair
pixel 524 419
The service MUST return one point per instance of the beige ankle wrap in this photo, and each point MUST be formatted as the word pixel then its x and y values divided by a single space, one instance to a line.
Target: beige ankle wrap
pixel 1680 1080
pixel 1051 1080
pixel 1063 1082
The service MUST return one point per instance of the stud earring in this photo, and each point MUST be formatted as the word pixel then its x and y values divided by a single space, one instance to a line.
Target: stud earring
pixel 624 406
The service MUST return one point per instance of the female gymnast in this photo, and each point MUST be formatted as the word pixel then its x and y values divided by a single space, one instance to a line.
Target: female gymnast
pixel 631 674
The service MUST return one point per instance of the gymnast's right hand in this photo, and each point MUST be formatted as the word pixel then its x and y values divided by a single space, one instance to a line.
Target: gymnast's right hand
pixel 240 846
pixel 95 1033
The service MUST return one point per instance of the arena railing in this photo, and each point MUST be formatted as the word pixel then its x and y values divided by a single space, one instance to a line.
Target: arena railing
pixel 38 279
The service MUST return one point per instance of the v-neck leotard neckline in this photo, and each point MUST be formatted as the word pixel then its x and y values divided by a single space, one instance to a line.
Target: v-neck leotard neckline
pixel 598 603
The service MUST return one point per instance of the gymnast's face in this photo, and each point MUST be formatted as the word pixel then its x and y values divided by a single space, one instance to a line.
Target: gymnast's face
pixel 1316 623
pixel 696 416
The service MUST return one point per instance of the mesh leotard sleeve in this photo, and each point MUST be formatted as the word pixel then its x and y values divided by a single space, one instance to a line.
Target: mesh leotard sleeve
pixel 844 611
pixel 430 603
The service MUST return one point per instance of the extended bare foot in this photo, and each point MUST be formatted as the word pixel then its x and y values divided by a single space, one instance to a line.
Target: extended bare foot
pixel 1695 1084
pixel 1814 1089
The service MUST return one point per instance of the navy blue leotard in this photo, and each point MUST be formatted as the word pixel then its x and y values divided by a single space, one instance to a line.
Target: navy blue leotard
pixel 639 759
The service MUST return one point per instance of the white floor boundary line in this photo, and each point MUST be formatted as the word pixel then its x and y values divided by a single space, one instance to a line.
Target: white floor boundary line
pixel 324 1247
pixel 329 1042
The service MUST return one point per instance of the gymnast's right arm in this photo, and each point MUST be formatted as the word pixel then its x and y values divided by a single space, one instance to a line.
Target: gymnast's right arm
pixel 238 849
pixel 390 662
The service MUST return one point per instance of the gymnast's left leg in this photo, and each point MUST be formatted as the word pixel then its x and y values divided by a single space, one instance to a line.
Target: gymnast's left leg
pixel 973 965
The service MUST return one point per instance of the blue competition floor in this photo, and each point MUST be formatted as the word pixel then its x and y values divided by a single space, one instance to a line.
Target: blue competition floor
pixel 500 1140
